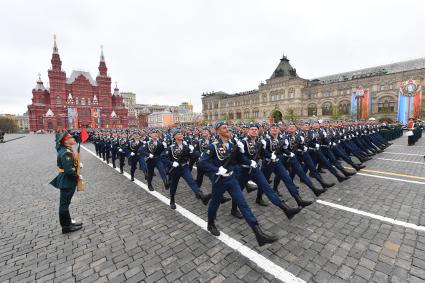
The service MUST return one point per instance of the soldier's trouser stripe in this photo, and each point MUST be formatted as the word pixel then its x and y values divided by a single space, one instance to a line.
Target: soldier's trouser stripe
pixel 374 216
pixel 261 261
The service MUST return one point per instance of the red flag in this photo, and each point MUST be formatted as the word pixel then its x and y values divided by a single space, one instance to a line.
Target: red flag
pixel 84 136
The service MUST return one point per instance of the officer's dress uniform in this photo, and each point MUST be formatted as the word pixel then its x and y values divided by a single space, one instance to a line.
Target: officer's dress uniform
pixel 213 161
pixel 177 157
pixel 114 150
pixel 66 182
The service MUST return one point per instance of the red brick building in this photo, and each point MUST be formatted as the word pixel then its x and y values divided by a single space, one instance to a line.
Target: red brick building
pixel 77 100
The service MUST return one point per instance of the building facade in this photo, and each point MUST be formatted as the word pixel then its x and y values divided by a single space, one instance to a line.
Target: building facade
pixel 161 119
pixel 288 96
pixel 181 115
pixel 23 122
pixel 76 101
pixel 130 103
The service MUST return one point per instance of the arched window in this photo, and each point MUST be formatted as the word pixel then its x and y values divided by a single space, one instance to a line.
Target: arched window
pixel 58 100
pixel 312 109
pixel 327 108
pixel 386 105
pixel 76 100
pixel 83 101
pixel 344 107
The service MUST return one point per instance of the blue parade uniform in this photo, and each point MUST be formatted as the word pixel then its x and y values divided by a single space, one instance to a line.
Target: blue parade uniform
pixel 153 150
pixel 177 158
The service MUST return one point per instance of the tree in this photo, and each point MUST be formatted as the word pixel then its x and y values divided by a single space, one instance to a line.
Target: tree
pixel 8 124
pixel 277 115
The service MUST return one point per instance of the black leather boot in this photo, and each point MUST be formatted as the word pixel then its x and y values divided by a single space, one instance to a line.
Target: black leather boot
pixel 121 170
pixel 67 227
pixel 132 177
pixel 212 228
pixel 262 237
pixel 347 173
pixel 205 198
pixel 301 202
pixel 358 166
pixel 342 178
pixel 325 185
pixel 113 165
pixel 318 191
pixel 260 201
pixel 172 202
pixel 150 187
pixel 290 211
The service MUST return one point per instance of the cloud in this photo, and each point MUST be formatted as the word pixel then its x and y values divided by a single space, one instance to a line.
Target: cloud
pixel 172 51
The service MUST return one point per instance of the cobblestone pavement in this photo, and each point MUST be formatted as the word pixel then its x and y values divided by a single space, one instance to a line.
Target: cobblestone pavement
pixel 129 235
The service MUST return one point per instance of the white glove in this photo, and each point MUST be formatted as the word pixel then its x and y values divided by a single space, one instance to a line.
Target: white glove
pixel 241 147
pixel 264 143
pixel 164 144
pixel 273 157
pixel 175 164
pixel 291 154
pixel 221 171
pixel 184 142
pixel 111 146
pixel 334 144
pixel 120 150
pixel 132 154
pixel 80 177
pixel 150 155
pixel 191 148
pixel 305 149
pixel 253 164
pixel 81 165
pixel 317 145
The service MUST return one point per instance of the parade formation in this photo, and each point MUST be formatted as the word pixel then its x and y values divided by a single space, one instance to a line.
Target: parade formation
pixel 231 156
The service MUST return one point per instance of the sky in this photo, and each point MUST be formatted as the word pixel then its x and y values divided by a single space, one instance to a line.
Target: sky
pixel 172 51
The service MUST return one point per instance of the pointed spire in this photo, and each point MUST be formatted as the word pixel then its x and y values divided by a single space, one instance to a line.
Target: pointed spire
pixel 39 85
pixel 55 47
pixel 102 57
pixel 116 90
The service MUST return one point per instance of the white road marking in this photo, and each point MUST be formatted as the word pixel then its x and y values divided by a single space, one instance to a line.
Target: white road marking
pixel 374 216
pixel 391 178
pixel 262 262
pixel 402 153
pixel 407 145
pixel 397 160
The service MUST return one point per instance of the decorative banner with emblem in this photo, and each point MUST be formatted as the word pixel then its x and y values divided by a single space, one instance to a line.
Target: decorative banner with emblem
pixel 95 118
pixel 361 103
pixel 72 118
pixel 409 101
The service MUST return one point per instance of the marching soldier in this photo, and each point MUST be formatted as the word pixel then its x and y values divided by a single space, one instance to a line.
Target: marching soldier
pixel 122 150
pixel 252 149
pixel 221 158
pixel 177 156
pixel 152 150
